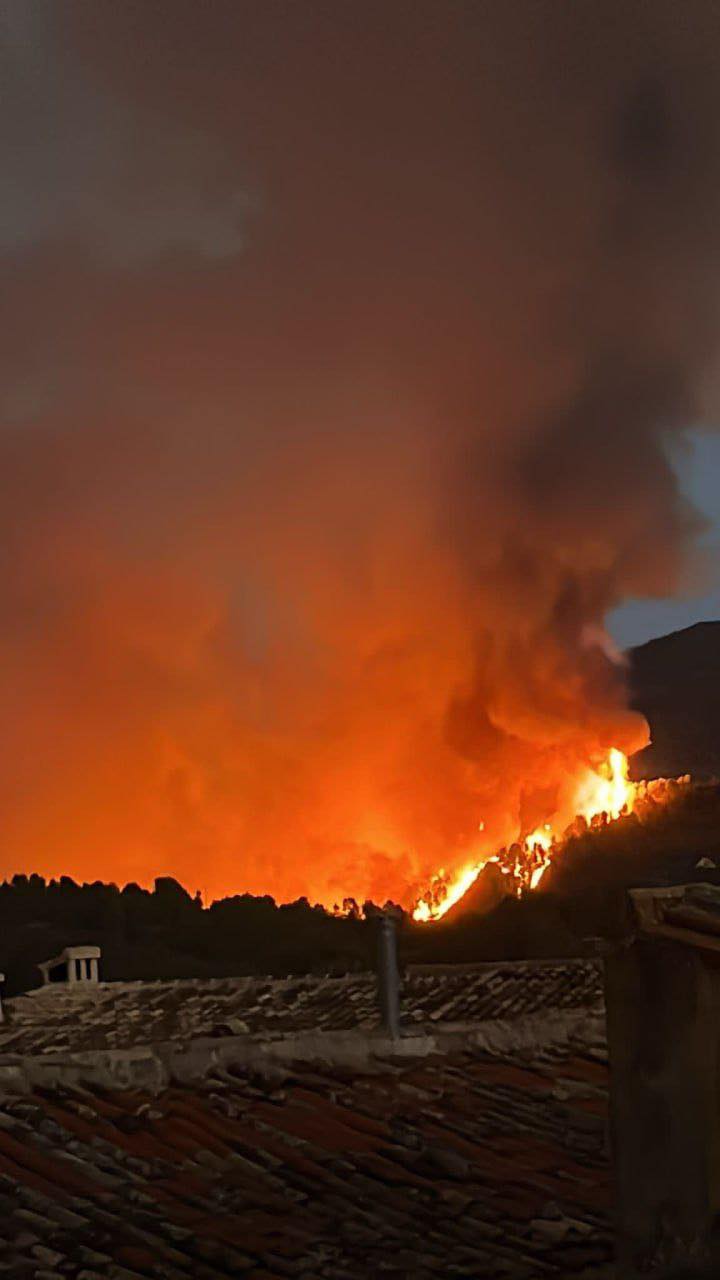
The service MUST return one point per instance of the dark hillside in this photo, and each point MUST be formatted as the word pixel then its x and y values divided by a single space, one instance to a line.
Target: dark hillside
pixel 675 682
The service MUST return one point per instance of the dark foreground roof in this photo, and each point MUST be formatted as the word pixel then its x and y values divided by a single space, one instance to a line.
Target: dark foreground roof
pixel 119 1015
pixel 466 1165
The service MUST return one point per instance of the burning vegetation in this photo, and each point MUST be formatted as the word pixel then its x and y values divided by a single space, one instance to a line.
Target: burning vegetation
pixel 601 796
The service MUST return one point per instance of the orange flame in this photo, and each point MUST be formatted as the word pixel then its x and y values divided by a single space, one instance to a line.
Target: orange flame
pixel 603 791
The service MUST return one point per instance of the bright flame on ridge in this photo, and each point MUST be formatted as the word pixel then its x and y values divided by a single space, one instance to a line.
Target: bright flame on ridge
pixel 605 790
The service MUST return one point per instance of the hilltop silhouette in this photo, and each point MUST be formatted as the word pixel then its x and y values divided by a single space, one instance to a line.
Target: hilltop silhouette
pixel 675 682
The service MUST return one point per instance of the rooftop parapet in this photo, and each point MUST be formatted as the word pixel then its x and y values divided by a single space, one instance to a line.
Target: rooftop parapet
pixel 686 913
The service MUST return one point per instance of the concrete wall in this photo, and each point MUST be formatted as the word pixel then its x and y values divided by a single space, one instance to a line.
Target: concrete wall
pixel 663 1017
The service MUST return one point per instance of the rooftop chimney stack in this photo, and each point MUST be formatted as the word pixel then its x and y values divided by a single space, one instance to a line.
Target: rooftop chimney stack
pixel 388 975
pixel 74 966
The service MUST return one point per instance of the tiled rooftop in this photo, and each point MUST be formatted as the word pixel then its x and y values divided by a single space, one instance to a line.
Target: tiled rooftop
pixel 461 1165
pixel 119 1015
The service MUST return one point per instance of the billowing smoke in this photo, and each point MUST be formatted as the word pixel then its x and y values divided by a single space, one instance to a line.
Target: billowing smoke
pixel 346 347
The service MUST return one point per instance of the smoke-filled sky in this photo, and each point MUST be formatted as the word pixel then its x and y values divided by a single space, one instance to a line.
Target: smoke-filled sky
pixel 698 469
pixel 349 355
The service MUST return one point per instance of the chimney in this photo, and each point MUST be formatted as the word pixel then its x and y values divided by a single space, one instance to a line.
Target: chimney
pixel 388 975
pixel 663 1018
pixel 74 966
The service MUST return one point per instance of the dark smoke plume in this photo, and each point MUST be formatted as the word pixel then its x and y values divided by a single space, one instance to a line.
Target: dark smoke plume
pixel 346 348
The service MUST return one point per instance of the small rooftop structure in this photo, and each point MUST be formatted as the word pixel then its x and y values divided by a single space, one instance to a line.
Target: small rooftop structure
pixel 73 965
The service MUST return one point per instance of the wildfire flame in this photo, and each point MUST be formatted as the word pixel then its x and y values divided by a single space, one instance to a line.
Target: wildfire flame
pixel 605 790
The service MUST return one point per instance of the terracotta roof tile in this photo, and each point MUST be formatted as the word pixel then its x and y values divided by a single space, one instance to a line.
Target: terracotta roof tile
pixel 464 1163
